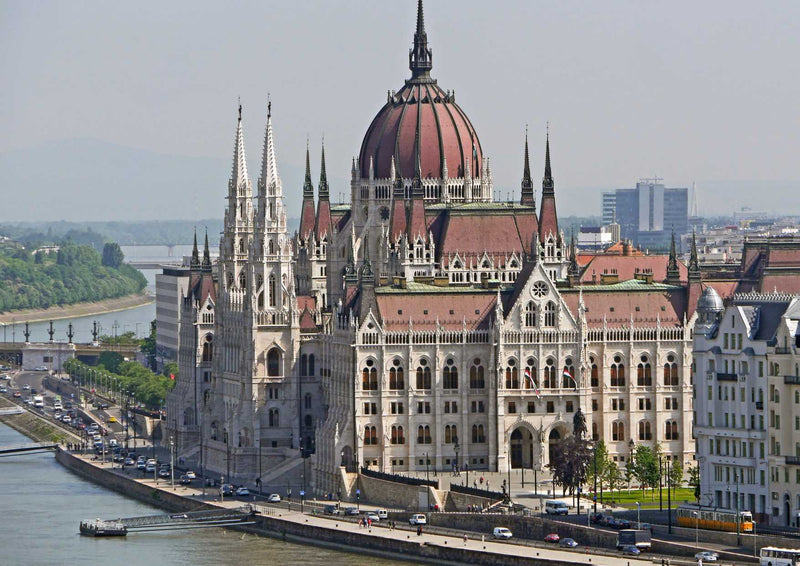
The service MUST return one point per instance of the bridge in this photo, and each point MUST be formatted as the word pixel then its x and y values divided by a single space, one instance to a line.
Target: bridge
pixel 13 353
pixel 27 448
pixel 152 264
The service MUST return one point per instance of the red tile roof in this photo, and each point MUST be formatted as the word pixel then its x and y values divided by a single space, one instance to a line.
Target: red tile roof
pixel 616 307
pixel 307 218
pixel 423 309
pixel 324 225
pixel 626 266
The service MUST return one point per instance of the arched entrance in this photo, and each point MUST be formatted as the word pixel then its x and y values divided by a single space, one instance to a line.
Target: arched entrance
pixel 521 448
pixel 552 442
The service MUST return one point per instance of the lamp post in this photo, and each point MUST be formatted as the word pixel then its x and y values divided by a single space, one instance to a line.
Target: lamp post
pixel 172 460
pixel 696 529
pixel 456 448
pixel 427 479
pixel 638 515
pixel 594 467
pixel 738 512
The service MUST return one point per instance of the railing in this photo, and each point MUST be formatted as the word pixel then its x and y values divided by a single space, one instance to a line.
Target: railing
pixel 727 377
pixel 783 350
pixel 398 478
pixel 791 379
pixel 485 493
pixel 793 460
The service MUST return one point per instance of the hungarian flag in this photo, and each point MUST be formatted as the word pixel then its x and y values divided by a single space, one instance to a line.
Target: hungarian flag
pixel 530 383
pixel 568 376
pixel 172 376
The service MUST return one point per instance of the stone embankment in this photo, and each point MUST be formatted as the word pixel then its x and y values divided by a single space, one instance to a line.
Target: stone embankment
pixel 35 427
pixel 77 310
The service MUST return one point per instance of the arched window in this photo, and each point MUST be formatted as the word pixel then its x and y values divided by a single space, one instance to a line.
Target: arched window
pixel 530 314
pixel 273 291
pixel 644 374
pixel 397 435
pixel 260 300
pixel 242 280
pixel 208 349
pixel 530 379
pixel 450 375
pixel 241 240
pixel 309 421
pixel 617 430
pixel 369 377
pixel 397 379
pixel 617 373
pixel 271 247
pixel 478 437
pixel 308 400
pixel 476 379
pixel 595 434
pixel 512 375
pixel 671 430
pixel 670 371
pixel 595 374
pixel 644 430
pixel 550 314
pixel 370 435
pixel 550 377
pixel 274 418
pixel 312 370
pixel 229 279
pixel 450 434
pixel 568 380
pixel 274 362
pixel 303 365
pixel 423 434
pixel 213 431
pixel 423 375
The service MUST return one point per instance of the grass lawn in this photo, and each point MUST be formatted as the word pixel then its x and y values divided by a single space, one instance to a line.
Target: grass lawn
pixel 649 499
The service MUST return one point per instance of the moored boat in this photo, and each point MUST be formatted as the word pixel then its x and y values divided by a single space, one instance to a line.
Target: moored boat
pixel 99 528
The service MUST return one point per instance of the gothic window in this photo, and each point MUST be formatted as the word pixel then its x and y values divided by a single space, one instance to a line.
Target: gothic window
pixel 370 435
pixel 478 436
pixel 423 375
pixel 550 314
pixel 450 377
pixel 273 291
pixel 530 314
pixel 369 376
pixel 617 430
pixel 303 365
pixel 423 434
pixel 617 373
pixel 230 280
pixel 241 245
pixel 476 380
pixel 309 421
pixel 397 380
pixel 594 373
pixel 260 300
pixel 213 431
pixel 308 400
pixel 644 430
pixel 260 280
pixel 529 377
pixel 450 434
pixel 208 349
pixel 595 434
pixel 274 418
pixel 671 430
pixel 568 379
pixel 271 247
pixel 312 370
pixel 512 375
pixel 397 435
pixel 670 371
pixel 225 435
pixel 274 362
pixel 550 377
pixel 644 374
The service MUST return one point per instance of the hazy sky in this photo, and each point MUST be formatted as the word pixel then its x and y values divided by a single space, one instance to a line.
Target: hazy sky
pixel 691 91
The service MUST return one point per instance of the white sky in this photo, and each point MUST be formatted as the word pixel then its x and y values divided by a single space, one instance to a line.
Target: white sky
pixel 692 91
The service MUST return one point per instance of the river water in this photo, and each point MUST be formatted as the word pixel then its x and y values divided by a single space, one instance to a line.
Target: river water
pixel 42 504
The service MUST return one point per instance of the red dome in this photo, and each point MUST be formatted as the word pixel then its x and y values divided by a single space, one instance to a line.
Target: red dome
pixel 444 132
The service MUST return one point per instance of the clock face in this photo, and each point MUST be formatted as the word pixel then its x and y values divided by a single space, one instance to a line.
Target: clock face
pixel 539 289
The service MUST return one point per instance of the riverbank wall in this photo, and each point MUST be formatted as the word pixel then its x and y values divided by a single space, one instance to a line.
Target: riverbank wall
pixel 77 310
pixel 35 427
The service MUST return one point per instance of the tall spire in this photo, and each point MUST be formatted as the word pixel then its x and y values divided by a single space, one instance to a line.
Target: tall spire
pixel 269 183
pixel 694 263
pixel 548 219
pixel 206 255
pixel 526 192
pixel 420 57
pixel 323 176
pixel 195 254
pixel 308 186
pixel 547 180
pixel 239 172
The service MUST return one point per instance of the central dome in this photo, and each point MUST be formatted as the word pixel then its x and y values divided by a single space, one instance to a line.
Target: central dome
pixel 421 121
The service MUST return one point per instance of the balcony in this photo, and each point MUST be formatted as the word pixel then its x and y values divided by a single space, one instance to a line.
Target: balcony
pixel 727 377
pixel 760 405
pixel 793 460
pixel 791 379
pixel 783 350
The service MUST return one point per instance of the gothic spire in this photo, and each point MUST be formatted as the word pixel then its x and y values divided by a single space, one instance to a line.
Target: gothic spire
pixel 195 254
pixel 239 172
pixel 673 273
pixel 527 182
pixel 417 182
pixel 574 269
pixel 308 186
pixel 206 255
pixel 323 176
pixel 420 57
pixel 547 180
pixel 269 181
pixel 694 263
pixel 548 219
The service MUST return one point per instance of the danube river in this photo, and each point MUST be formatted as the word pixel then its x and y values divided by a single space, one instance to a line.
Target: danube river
pixel 42 504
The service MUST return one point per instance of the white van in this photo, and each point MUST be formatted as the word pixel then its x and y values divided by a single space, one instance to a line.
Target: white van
pixel 418 519
pixel 383 514
pixel 556 508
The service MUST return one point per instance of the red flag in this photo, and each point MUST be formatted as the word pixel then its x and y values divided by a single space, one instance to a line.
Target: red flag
pixel 172 376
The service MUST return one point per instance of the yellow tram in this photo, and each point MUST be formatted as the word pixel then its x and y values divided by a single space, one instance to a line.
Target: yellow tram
pixel 692 516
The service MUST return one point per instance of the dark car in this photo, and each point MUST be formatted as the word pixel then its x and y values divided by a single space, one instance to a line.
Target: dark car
pixel 597 518
pixel 623 524
pixel 331 510
pixel 351 511
pixel 226 489
pixel 185 479
pixel 568 543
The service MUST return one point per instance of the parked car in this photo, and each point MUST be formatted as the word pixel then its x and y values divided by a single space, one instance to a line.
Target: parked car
pixel 418 519
pixel 226 489
pixel 331 510
pixel 502 533
pixel 17 394
pixel 568 543
pixel 707 556
pixel 26 387
pixel 372 516
pixel 191 475
pixel 274 498
pixel 630 550
pixel 552 537
pixel 3 389
pixel 352 511
pixel 40 368
pixel 242 491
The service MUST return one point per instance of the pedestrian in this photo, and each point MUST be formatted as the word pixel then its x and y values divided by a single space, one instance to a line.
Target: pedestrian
pixel 466 538
pixel 475 484
pixel 481 480
pixel 699 562
pixel 419 532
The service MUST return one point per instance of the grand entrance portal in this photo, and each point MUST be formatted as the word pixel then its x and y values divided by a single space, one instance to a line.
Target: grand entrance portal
pixel 553 440
pixel 521 448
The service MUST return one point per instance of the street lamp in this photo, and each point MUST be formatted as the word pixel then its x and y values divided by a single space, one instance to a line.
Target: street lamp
pixel 456 449
pixel 172 460
pixel 638 515
pixel 696 529
pixel 594 466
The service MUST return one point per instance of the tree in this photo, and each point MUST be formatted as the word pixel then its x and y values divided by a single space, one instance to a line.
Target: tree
pixel 110 361
pixel 614 478
pixel 112 255
pixel 598 465
pixel 694 481
pixel 569 462
pixel 645 467
pixel 676 474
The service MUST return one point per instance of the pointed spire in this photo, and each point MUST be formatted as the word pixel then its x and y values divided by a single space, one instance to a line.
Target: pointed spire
pixel 195 254
pixel 239 172
pixel 526 192
pixel 269 183
pixel 673 273
pixel 206 255
pixel 548 218
pixel 694 263
pixel 323 176
pixel 420 57
pixel 308 186
pixel 417 182
pixel 547 180
pixel 574 269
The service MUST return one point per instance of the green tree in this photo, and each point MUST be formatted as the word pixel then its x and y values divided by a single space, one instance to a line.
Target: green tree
pixel 569 463
pixel 110 361
pixel 112 255
pixel 171 368
pixel 694 481
pixel 615 478
pixel 676 474
pixel 598 466
pixel 645 467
